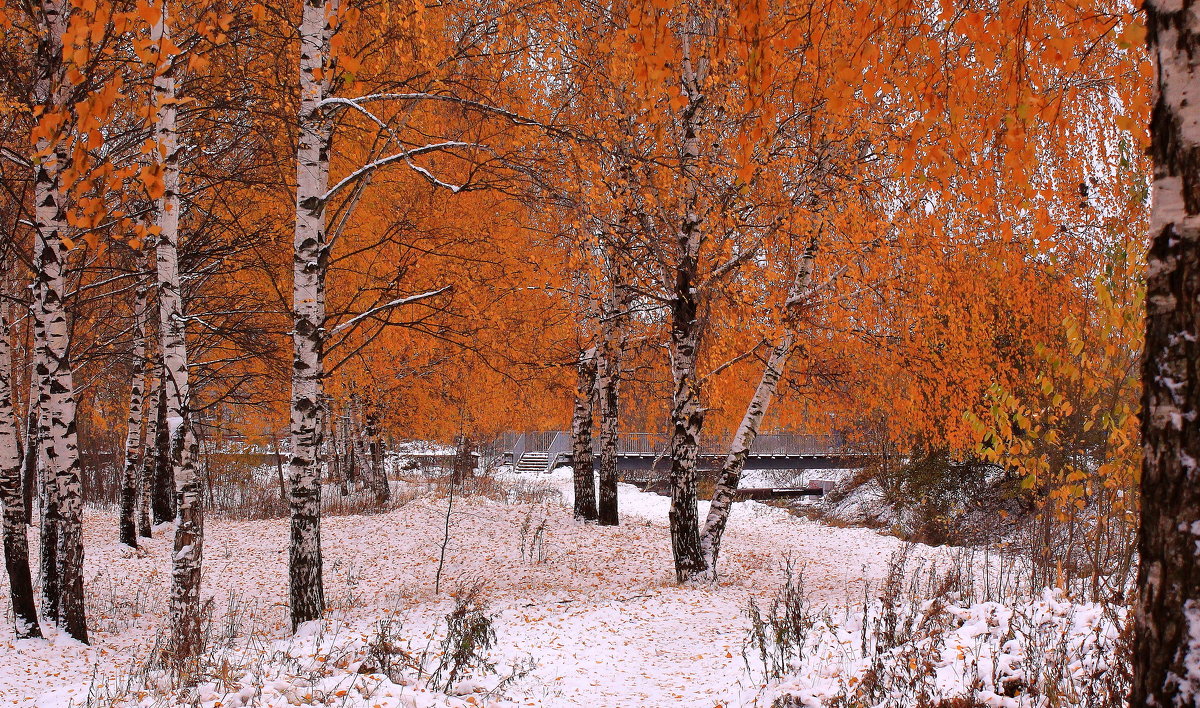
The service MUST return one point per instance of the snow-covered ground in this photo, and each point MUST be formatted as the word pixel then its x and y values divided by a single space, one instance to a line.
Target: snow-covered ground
pixel 584 615
pixel 595 610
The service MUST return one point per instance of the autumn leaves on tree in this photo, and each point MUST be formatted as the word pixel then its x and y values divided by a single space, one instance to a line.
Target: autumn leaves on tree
pixel 695 219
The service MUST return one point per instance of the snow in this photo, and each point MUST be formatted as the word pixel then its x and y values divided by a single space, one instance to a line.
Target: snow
pixel 599 621
pixel 1003 656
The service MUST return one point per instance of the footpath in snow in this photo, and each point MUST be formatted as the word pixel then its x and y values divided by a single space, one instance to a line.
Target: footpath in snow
pixel 593 610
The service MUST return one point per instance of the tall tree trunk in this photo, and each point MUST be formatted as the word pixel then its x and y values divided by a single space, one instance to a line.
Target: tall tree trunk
pixel 16 544
pixel 148 456
pixel 731 470
pixel 186 636
pixel 1167 620
pixel 163 495
pixel 581 437
pixel 378 475
pixel 608 382
pixel 57 435
pixel 29 474
pixel 133 432
pixel 735 461
pixel 337 466
pixel 687 421
pixel 310 264
pixel 687 417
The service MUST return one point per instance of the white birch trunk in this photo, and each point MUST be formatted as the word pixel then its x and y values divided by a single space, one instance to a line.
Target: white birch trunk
pixel 58 440
pixel 608 382
pixel 186 637
pixel 133 431
pixel 735 462
pixel 310 263
pixel 148 454
pixel 687 416
pixel 1166 649
pixel 581 437
pixel 16 544
pixel 379 478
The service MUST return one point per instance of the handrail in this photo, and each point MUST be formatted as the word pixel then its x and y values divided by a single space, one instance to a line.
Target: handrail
pixel 557 443
pixel 560 446
pixel 518 449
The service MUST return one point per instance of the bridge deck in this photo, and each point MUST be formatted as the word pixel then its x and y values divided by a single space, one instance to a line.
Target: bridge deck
pixel 642 451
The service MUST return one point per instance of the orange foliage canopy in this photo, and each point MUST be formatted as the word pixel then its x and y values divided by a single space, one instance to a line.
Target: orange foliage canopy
pixel 965 169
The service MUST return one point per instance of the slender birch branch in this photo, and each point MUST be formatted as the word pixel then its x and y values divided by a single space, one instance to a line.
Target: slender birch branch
pixel 386 306
pixel 405 155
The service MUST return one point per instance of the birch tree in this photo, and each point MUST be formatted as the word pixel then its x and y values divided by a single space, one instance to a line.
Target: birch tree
pixel 318 107
pixel 687 415
pixel 310 264
pixel 131 477
pixel 186 635
pixel 584 473
pixel 16 544
pixel 1167 619
pixel 608 383
pixel 62 537
pixel 743 439
pixel 148 455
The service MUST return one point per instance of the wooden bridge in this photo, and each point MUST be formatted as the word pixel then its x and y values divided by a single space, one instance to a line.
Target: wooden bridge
pixel 649 453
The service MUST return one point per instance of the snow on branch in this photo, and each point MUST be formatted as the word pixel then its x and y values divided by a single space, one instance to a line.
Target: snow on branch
pixel 405 156
pixel 477 105
pixel 386 306
pixel 15 157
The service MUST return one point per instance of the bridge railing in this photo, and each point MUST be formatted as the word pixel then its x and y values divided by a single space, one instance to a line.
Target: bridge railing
pixel 558 444
pixel 795 445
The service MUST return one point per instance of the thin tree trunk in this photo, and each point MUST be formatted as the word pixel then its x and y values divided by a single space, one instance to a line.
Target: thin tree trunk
pixel 731 470
pixel 581 437
pixel 164 475
pixel 349 447
pixel 310 265
pixel 16 544
pixel 608 381
pixel 186 636
pixel 149 457
pixel 337 467
pixel 57 435
pixel 280 477
pixel 378 476
pixel 133 434
pixel 1167 619
pixel 29 474
pixel 735 461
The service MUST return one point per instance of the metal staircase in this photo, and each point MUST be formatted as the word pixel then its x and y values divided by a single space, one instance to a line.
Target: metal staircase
pixel 532 462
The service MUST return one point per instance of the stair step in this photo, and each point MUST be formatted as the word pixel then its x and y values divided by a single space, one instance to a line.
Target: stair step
pixel 533 462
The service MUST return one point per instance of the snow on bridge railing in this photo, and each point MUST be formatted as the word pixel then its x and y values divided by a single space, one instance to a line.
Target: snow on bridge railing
pixel 558 443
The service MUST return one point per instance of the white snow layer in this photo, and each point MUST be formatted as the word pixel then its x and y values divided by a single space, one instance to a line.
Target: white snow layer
pixel 595 613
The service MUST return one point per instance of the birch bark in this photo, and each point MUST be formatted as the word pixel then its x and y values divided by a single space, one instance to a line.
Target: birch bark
pixel 374 461
pixel 581 437
pixel 148 454
pixel 158 455
pixel 608 382
pixel 186 638
pixel 57 434
pixel 735 462
pixel 1166 659
pixel 310 263
pixel 687 417
pixel 133 432
pixel 29 475
pixel 16 544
